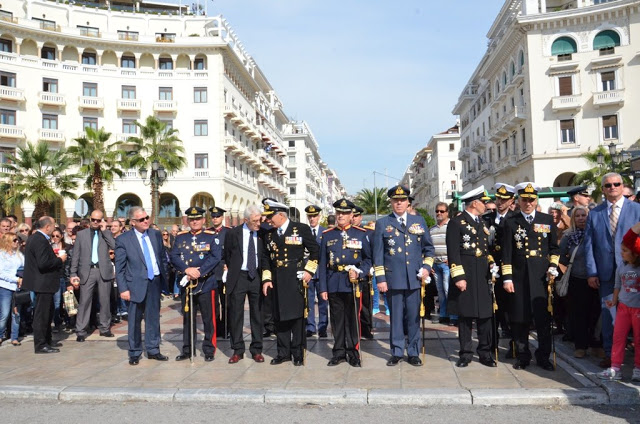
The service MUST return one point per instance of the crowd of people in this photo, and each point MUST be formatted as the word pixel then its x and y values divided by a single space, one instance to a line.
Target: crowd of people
pixel 300 280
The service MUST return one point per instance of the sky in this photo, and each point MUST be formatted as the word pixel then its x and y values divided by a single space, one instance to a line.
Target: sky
pixel 373 79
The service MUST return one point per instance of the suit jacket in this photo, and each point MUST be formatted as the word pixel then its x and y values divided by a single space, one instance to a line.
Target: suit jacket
pixel 81 259
pixel 42 268
pixel 233 256
pixel 220 236
pixel 319 231
pixel 496 232
pixel 399 254
pixel 602 253
pixel 131 269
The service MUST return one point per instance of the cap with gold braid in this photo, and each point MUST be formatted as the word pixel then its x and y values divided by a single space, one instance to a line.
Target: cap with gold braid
pixel 343 205
pixel 398 192
pixel 528 189
pixel 478 193
pixel 216 211
pixel 271 207
pixel 194 212
pixel 312 210
pixel 504 191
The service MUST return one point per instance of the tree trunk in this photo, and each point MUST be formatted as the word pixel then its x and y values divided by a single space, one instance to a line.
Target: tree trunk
pixel 41 209
pixel 97 187
pixel 154 188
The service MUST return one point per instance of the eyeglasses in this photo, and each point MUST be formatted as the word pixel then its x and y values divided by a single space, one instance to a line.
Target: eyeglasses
pixel 56 236
pixel 627 195
pixel 529 199
pixel 15 240
pixel 96 220
pixel 164 234
pixel 144 218
pixel 24 230
pixel 609 185
pixel 437 211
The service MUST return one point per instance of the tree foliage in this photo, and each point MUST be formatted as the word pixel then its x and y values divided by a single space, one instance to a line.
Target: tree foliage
pixel 366 199
pixel 593 175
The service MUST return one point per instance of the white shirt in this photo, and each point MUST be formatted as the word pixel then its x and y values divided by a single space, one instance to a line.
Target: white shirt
pixel 317 230
pixel 500 217
pixel 154 262
pixel 619 204
pixel 473 217
pixel 404 218
pixel 533 215
pixel 283 229
pixel 245 246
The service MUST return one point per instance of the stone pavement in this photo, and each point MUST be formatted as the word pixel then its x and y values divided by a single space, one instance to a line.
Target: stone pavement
pixel 98 369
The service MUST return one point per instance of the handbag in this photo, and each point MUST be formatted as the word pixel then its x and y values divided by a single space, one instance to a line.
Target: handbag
pixel 21 297
pixel 70 303
pixel 562 286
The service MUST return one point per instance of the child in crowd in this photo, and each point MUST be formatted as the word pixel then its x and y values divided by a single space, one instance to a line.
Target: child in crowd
pixel 626 297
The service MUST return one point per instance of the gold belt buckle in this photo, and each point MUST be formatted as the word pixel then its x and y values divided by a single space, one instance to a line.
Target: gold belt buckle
pixel 279 263
pixel 533 253
pixel 478 253
pixel 340 268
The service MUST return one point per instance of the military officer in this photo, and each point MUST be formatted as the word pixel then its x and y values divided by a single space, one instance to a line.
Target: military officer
pixel 366 317
pixel 313 216
pixel 287 273
pixel 195 255
pixel 495 221
pixel 402 256
pixel 267 304
pixel 470 294
pixel 345 256
pixel 220 230
pixel 529 257
pixel 579 197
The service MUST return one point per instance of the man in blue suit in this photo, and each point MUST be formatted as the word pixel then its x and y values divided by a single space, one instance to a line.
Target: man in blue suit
pixel 403 255
pixel 313 216
pixel 606 225
pixel 141 272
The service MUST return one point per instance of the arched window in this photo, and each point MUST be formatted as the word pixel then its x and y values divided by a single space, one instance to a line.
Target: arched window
pixel 521 59
pixel 564 47
pixel 504 78
pixel 126 202
pixel 606 41
pixel 513 69
pixel 169 206
pixel 497 89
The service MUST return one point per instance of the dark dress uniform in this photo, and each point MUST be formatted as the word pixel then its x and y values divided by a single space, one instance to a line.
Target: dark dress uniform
pixel 366 281
pixel 283 257
pixel 220 301
pixel 528 251
pixel 200 249
pixel 340 248
pixel 467 251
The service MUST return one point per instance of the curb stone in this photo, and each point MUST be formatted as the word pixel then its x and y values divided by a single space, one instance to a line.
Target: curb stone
pixel 588 396
pixel 31 392
pixel 227 396
pixel 419 397
pixel 116 394
pixel 334 397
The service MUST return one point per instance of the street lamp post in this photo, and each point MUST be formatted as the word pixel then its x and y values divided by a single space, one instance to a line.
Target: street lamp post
pixel 617 157
pixel 156 179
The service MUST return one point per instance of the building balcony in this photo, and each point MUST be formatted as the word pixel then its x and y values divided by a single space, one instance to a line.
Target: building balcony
pixel 572 102
pixel 464 153
pixel 608 98
pixel 129 105
pixel 124 137
pixel 165 106
pixel 472 176
pixel 479 143
pixel 232 145
pixel 86 102
pixel 51 99
pixel 230 110
pixel 514 117
pixel 51 135
pixel 12 94
pixel 510 161
pixel 11 131
pixel 200 173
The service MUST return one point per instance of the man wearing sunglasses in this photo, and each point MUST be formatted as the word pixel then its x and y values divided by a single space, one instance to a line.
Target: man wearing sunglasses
pixel 606 225
pixel 141 272
pixel 529 258
pixel 91 268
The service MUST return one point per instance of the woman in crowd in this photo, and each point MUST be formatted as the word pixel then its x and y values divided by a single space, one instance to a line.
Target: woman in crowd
pixel 584 302
pixel 58 244
pixel 10 261
pixel 23 229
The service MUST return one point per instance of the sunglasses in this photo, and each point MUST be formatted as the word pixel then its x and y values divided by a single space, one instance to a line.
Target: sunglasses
pixel 437 211
pixel 55 236
pixel 23 231
pixel 165 234
pixel 529 199
pixel 144 218
pixel 15 240
pixel 609 185
pixel 96 220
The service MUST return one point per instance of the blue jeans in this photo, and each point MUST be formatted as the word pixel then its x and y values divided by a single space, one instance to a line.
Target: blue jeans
pixel 442 283
pixel 57 303
pixel 606 288
pixel 6 296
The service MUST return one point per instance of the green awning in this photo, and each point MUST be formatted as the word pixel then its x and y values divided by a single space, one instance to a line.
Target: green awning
pixel 563 45
pixel 606 39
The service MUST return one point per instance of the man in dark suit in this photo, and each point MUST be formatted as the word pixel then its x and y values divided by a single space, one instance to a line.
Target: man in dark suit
pixel 243 256
pixel 287 273
pixel 219 231
pixel 42 271
pixel 529 258
pixel 606 225
pixel 195 256
pixel 141 272
pixel 313 216
pixel 403 255
pixel 91 267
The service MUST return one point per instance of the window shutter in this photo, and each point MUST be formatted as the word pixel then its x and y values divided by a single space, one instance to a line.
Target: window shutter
pixel 566 124
pixel 608 76
pixel 610 121
pixel 565 86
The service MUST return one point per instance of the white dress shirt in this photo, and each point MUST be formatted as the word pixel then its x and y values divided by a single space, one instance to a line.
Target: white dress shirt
pixel 154 262
pixel 245 246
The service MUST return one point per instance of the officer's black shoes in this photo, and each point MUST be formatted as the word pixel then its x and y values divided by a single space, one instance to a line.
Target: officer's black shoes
pixel 268 333
pixel 462 363
pixel 208 358
pixel 158 356
pixel 322 335
pixel 521 365
pixel 488 362
pixel 298 362
pixel 279 360
pixel 415 361
pixel 354 360
pixel 310 333
pixel 336 360
pixel 367 335
pixel 394 361
pixel 183 357
pixel 546 365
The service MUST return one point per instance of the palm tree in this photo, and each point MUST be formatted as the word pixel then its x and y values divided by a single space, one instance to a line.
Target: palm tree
pixel 366 199
pixel 157 143
pixel 593 176
pixel 38 175
pixel 99 161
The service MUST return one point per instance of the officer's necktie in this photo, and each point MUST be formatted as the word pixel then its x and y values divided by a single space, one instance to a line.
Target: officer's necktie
pixel 280 232
pixel 613 219
pixel 314 233
pixel 529 219
pixel 251 257
pixel 401 219
pixel 94 248
pixel 147 257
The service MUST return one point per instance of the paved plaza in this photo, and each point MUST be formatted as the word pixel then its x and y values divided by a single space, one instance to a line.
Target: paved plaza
pixel 100 366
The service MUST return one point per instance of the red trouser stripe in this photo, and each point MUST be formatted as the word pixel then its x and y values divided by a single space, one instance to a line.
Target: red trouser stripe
pixel 214 337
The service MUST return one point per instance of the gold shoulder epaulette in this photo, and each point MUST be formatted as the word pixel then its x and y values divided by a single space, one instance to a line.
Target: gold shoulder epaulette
pixel 327 230
pixel 183 232
pixel 209 232
pixel 359 228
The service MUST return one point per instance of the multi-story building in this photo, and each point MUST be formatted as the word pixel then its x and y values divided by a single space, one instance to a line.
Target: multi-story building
pixel 310 180
pixel 435 170
pixel 65 66
pixel 557 80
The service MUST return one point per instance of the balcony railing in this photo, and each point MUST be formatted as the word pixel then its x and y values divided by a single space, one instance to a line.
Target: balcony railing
pixel 165 106
pixel 51 99
pixel 464 153
pixel 478 143
pixel 87 102
pixel 12 93
pixel 572 102
pixel 608 98
pixel 129 105
pixel 11 131
pixel 201 173
pixel 51 135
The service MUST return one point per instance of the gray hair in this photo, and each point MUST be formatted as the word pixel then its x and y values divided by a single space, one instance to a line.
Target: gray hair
pixel 252 210
pixel 133 210
pixel 609 175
